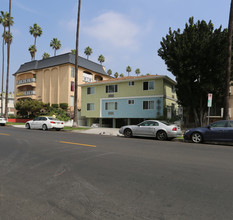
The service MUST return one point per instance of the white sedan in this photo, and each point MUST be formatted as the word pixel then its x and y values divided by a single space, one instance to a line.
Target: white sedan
pixel 2 121
pixel 152 128
pixel 45 123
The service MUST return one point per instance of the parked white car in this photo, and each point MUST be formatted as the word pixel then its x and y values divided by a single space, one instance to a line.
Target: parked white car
pixel 45 123
pixel 152 128
pixel 2 121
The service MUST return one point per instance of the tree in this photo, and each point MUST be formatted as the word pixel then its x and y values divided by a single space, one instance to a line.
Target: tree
pixel 8 41
pixel 101 59
pixel 73 51
pixel 109 72
pixel 228 72
pixel 4 20
pixel 128 69
pixel 45 55
pixel 36 31
pixel 32 49
pixel 55 44
pixel 137 71
pixel 88 51
pixel 121 75
pixel 116 74
pixel 75 122
pixel 196 57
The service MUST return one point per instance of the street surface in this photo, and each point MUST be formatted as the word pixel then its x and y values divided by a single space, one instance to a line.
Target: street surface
pixel 68 175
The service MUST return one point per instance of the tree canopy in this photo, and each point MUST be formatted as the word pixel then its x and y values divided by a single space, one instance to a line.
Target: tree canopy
pixel 88 51
pixel 196 56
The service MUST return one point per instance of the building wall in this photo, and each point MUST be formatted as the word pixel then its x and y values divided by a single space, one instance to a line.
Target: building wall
pixel 11 106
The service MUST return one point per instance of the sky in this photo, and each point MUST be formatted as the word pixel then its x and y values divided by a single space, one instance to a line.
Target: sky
pixel 125 32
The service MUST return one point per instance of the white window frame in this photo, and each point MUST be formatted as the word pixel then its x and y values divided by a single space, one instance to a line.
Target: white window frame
pixel 91 90
pixel 90 106
pixel 148 86
pixel 150 105
pixel 111 106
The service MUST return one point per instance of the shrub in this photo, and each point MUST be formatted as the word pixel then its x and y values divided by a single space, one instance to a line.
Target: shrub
pixel 64 106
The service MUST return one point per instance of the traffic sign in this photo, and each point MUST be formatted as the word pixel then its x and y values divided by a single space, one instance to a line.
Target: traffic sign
pixel 209 104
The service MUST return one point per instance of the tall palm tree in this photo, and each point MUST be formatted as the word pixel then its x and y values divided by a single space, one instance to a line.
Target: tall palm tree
pixel 109 72
pixel 55 44
pixel 32 49
pixel 101 59
pixel 128 69
pixel 121 75
pixel 75 122
pixel 116 74
pixel 4 20
pixel 73 51
pixel 8 40
pixel 36 31
pixel 88 51
pixel 229 55
pixel 137 71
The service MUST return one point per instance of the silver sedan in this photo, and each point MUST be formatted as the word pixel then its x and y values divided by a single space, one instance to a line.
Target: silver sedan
pixel 152 128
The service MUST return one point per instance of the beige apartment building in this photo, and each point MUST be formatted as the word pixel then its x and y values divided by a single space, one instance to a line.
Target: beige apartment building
pixel 52 80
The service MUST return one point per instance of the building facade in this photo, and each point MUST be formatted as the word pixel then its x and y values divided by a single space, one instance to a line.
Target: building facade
pixel 129 99
pixel 11 106
pixel 52 80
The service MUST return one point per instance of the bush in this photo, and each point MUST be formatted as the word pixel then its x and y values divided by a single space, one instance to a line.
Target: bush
pixel 64 106
pixel 54 105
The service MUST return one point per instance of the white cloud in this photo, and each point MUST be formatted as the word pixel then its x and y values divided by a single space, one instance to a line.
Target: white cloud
pixel 25 8
pixel 115 29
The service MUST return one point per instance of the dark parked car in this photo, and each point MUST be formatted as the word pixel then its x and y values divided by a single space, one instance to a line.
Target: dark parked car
pixel 220 131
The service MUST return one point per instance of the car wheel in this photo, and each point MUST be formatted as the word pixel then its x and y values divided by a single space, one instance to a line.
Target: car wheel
pixel 27 126
pixel 44 127
pixel 161 135
pixel 196 137
pixel 128 133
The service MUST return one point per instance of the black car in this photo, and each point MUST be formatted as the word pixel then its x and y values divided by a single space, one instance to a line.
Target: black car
pixel 220 131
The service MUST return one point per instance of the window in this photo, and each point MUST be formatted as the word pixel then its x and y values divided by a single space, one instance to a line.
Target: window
pixel 148 105
pixel 111 88
pixel 173 89
pixel 71 101
pixel 72 72
pixel 72 86
pixel 131 83
pixel 149 123
pixel 148 85
pixel 87 77
pixel 90 90
pixel 218 124
pixel 90 106
pixel 111 106
pixel 130 102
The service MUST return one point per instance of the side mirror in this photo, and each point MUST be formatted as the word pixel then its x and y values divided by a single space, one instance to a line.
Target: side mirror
pixel 208 127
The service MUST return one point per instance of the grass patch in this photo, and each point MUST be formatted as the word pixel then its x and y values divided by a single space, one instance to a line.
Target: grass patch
pixel 14 123
pixel 181 137
pixel 71 128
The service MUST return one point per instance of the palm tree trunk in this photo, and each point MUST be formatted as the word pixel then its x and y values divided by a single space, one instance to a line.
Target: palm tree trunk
pixel 8 66
pixel 75 123
pixel 228 72
pixel 2 72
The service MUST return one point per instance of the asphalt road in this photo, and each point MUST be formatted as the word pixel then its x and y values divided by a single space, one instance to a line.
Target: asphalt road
pixel 67 175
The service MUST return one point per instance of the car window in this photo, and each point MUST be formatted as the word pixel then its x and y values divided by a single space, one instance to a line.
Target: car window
pixel 43 119
pixel 218 124
pixel 37 119
pixel 230 123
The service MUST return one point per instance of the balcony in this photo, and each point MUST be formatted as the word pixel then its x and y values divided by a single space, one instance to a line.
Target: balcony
pixel 26 93
pixel 26 81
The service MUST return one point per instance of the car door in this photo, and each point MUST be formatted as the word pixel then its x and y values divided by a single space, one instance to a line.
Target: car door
pixel 228 134
pixel 34 123
pixel 216 131
pixel 146 128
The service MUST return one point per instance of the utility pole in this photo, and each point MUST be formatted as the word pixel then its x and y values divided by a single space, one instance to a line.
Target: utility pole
pixel 228 72
pixel 75 122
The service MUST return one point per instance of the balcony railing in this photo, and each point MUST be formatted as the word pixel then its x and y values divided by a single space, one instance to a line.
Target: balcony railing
pixel 26 93
pixel 23 81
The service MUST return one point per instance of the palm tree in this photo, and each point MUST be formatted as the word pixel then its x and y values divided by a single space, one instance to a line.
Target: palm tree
pixel 116 74
pixel 73 51
pixel 228 72
pixel 36 31
pixel 128 69
pixel 55 44
pixel 101 59
pixel 75 122
pixel 88 51
pixel 137 71
pixel 121 75
pixel 8 40
pixel 45 56
pixel 4 20
pixel 109 72
pixel 32 49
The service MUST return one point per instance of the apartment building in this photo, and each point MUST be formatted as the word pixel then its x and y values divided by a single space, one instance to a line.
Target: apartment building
pixel 128 100
pixel 51 80
pixel 11 106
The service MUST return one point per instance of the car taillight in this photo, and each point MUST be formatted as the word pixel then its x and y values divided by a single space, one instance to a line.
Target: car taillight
pixel 52 122
pixel 174 129
pixel 62 123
